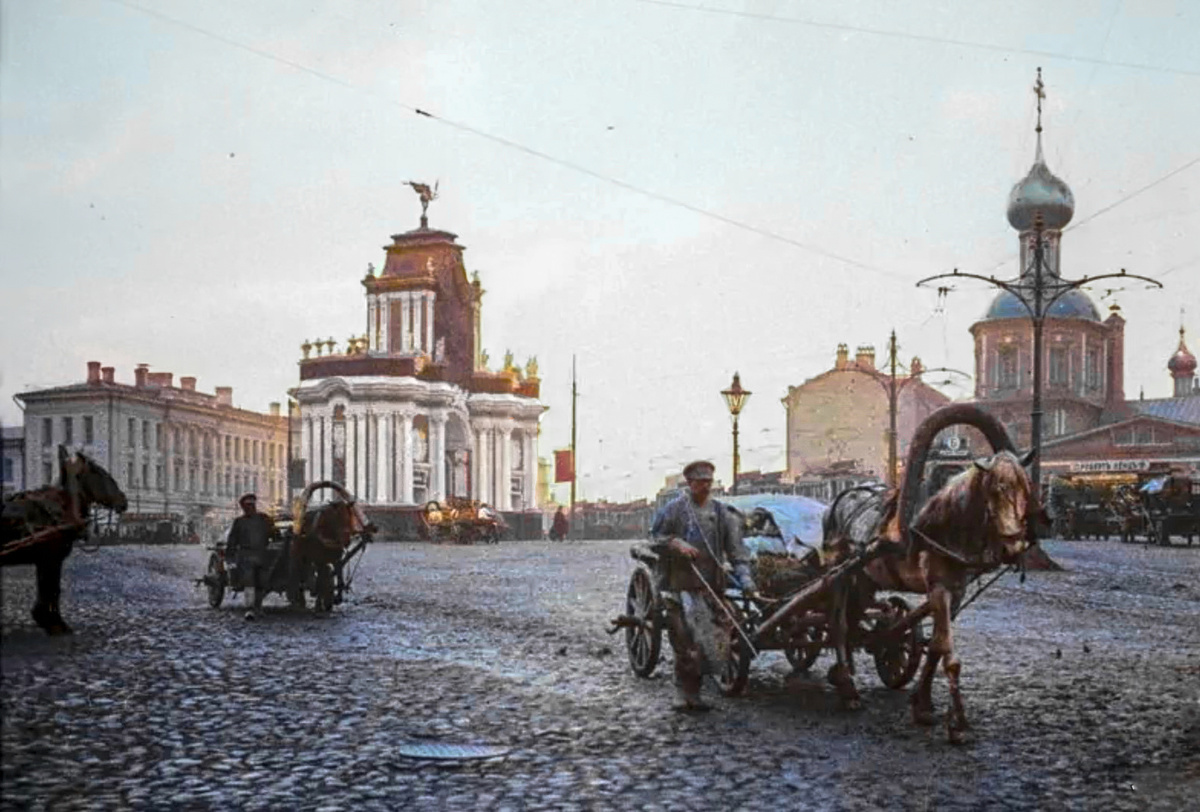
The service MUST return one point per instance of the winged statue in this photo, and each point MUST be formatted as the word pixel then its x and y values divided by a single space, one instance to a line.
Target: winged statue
pixel 425 193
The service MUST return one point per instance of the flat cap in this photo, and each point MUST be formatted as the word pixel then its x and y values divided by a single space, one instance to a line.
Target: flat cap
pixel 247 497
pixel 700 469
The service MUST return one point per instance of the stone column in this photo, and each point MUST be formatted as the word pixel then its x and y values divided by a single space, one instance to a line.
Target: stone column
pixel 504 494
pixel 531 469
pixel 437 456
pixel 427 301
pixel 307 447
pixel 406 459
pixel 382 446
pixel 360 453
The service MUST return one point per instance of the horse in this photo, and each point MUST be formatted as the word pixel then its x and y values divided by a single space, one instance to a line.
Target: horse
pixel 322 537
pixel 40 527
pixel 980 520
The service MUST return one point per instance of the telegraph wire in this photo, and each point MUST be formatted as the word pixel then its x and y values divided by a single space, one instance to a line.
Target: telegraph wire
pixel 1132 195
pixel 879 32
pixel 462 127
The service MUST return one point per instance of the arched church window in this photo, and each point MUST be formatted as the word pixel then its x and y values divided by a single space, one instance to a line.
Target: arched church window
pixel 1093 368
pixel 1058 366
pixel 1007 368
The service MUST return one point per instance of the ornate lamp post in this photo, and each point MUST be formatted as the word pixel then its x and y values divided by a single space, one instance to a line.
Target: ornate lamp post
pixel 735 398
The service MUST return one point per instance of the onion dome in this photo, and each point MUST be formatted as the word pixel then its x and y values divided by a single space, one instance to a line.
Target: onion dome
pixel 1182 363
pixel 1040 191
pixel 1074 304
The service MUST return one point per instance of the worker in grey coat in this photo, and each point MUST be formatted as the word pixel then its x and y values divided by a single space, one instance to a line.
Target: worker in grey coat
pixel 247 545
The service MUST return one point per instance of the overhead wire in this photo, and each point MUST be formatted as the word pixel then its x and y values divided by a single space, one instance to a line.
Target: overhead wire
pixel 880 32
pixel 506 142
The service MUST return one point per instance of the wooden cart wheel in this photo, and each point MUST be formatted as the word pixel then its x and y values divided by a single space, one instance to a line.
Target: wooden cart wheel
pixel 643 641
pixel 735 674
pixel 805 648
pixel 896 660
pixel 215 581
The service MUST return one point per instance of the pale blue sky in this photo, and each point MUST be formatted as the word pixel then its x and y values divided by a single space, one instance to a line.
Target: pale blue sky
pixel 172 194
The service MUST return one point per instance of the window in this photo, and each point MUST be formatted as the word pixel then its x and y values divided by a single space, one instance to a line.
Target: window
pixel 1007 368
pixel 228 447
pixel 132 432
pixel 1143 435
pixel 256 452
pixel 47 432
pixel 1123 437
pixel 1093 369
pixel 89 430
pixel 1058 365
pixel 1059 422
pixel 69 431
pixel 8 469
pixel 129 474
pixel 145 475
pixel 47 474
pixel 205 481
pixel 158 477
pixel 158 436
pixel 145 434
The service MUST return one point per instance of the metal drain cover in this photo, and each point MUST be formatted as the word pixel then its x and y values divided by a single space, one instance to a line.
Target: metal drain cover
pixel 440 751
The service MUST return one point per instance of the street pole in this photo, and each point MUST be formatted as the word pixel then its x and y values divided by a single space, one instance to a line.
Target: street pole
pixel 574 466
pixel 892 413
pixel 733 488
pixel 1039 318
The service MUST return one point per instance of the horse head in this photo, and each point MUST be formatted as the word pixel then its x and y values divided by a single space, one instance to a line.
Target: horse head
pixel 95 484
pixel 1003 484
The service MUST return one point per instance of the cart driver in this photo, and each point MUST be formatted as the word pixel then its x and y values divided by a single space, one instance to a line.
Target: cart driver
pixel 697 537
pixel 248 540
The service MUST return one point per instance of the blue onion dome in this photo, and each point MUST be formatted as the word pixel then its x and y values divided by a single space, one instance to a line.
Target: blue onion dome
pixel 1042 191
pixel 1074 304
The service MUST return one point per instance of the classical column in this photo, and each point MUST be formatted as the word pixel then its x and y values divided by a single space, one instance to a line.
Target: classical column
pixel 406 459
pixel 307 443
pixel 504 494
pixel 531 467
pixel 427 301
pixel 382 446
pixel 360 454
pixel 437 456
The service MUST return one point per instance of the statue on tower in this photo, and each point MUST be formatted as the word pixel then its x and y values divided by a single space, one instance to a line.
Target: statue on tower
pixel 427 195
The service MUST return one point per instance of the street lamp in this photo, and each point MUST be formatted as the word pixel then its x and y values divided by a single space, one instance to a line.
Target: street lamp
pixel 735 398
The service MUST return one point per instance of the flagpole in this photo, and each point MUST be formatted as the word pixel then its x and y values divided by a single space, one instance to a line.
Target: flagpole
pixel 574 467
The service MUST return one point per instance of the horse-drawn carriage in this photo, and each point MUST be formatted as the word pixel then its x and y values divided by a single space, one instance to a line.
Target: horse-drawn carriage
pixel 462 521
pixel 872 540
pixel 310 553
pixel 783 534
pixel 1171 506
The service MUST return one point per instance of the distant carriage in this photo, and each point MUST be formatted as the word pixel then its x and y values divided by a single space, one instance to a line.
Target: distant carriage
pixel 310 554
pixel 1171 506
pixel 462 521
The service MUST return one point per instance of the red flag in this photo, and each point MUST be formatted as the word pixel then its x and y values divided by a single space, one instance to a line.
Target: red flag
pixel 564 466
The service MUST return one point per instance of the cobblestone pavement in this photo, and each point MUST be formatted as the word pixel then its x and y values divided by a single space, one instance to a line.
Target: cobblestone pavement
pixel 1083 688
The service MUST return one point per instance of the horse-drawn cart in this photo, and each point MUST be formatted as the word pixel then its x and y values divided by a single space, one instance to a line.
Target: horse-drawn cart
pixel 887 629
pixel 462 521
pixel 311 553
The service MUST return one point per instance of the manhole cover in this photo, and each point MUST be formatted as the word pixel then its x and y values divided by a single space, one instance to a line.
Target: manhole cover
pixel 438 751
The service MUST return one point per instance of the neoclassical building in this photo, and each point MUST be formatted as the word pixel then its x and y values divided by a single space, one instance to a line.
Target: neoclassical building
pixel 409 411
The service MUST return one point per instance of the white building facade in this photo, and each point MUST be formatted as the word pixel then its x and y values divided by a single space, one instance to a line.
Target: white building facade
pixel 409 412
pixel 175 452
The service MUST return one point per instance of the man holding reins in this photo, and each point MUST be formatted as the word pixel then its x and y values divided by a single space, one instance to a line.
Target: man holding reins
pixel 698 540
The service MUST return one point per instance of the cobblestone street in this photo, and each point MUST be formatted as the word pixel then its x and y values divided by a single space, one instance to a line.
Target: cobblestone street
pixel 1083 688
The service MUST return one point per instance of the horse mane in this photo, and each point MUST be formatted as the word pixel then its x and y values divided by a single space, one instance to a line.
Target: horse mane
pixel 959 517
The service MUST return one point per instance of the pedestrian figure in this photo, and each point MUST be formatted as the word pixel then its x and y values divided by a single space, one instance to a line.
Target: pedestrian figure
pixel 560 526
pixel 247 543
pixel 698 538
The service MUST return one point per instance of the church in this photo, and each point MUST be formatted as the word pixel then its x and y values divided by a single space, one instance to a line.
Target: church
pixel 1089 426
pixel 410 411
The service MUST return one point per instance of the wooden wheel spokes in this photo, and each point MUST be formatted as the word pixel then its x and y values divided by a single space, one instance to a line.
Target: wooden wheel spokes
pixel 643 639
pixel 897 658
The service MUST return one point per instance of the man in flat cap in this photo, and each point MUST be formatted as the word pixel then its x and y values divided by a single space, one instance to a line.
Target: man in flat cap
pixel 247 543
pixel 697 537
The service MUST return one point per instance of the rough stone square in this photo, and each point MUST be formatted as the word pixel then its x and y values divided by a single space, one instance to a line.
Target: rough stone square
pixel 1082 688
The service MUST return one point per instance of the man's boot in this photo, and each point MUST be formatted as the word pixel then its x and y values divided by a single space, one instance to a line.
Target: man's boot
pixel 250 604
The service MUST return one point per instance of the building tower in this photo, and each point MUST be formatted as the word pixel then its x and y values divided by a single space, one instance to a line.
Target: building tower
pixel 1182 367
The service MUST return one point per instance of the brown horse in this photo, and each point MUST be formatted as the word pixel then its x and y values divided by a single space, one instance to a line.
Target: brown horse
pixel 979 521
pixel 41 527
pixel 322 540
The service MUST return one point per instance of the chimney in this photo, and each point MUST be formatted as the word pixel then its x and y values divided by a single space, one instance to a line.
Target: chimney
pixel 225 396
pixel 93 372
pixel 106 374
pixel 843 357
pixel 139 375
pixel 864 357
pixel 160 379
pixel 187 383
pixel 274 409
